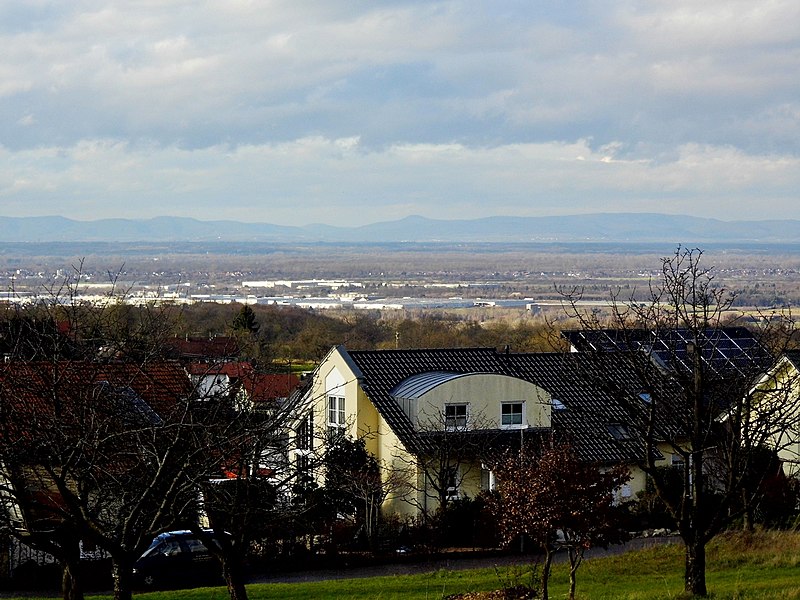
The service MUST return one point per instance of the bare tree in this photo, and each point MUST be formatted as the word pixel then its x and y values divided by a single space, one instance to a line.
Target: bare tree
pixel 97 430
pixel 687 391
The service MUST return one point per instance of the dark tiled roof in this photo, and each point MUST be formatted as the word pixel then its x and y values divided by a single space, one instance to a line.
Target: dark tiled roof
pixel 584 422
pixel 588 408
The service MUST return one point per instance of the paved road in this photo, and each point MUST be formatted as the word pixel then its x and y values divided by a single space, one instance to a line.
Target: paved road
pixel 453 563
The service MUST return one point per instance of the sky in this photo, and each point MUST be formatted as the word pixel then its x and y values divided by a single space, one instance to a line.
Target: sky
pixel 349 112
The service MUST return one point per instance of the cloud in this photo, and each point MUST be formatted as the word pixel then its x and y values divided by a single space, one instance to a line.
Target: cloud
pixel 424 107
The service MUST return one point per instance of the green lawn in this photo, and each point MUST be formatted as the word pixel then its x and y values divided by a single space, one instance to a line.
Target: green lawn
pixel 764 566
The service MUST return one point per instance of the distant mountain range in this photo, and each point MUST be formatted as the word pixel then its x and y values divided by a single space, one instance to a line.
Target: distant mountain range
pixel 603 227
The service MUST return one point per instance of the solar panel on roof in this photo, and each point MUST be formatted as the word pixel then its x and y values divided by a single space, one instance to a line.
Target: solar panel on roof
pixel 724 350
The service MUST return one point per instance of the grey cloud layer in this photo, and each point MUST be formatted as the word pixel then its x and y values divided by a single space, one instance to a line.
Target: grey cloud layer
pixel 153 107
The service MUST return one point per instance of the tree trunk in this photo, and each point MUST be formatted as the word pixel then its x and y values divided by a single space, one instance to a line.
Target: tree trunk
pixel 695 569
pixel 548 560
pixel 71 572
pixel 233 572
pixel 368 509
pixel 122 574
pixel 71 581
pixel 747 512
pixel 575 559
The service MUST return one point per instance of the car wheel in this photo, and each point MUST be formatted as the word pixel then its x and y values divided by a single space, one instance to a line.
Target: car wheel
pixel 149 580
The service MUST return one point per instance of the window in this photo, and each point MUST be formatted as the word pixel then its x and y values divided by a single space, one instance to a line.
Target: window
pixel 302 464
pixel 511 414
pixel 451 479
pixel 336 418
pixel 618 431
pixel 558 404
pixel 645 397
pixel 305 433
pixel 170 548
pixel 455 416
pixel 488 483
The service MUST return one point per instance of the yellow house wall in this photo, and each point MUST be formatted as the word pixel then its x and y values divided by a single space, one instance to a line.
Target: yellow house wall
pixel 398 463
pixel 471 483
pixel 782 390
pixel 484 393
pixel 335 377
pixel 637 483
pixel 368 424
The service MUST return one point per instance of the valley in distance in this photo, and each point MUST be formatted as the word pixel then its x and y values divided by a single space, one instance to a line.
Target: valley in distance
pixel 388 276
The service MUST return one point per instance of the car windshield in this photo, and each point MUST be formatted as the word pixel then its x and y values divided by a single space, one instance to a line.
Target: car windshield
pixel 156 547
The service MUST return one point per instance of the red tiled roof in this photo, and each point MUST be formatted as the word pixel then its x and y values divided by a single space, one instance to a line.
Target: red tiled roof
pixel 30 386
pixel 264 387
pixel 49 405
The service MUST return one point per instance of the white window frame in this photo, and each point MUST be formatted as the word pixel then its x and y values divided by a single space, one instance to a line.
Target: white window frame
pixel 336 413
pixel 451 423
pixel 521 423
pixel 488 481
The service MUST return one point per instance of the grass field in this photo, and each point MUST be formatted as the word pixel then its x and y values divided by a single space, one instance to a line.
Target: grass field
pixel 742 567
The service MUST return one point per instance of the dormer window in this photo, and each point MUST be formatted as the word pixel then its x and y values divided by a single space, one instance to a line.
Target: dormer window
pixel 511 414
pixel 455 416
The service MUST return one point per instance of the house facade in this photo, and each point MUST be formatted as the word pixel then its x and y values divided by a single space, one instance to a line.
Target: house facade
pixel 52 405
pixel 775 411
pixel 435 417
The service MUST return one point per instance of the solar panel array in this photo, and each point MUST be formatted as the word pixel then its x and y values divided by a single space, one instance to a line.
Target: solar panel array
pixel 724 351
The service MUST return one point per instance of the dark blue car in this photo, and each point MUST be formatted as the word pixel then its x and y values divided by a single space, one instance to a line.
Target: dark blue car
pixel 176 558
